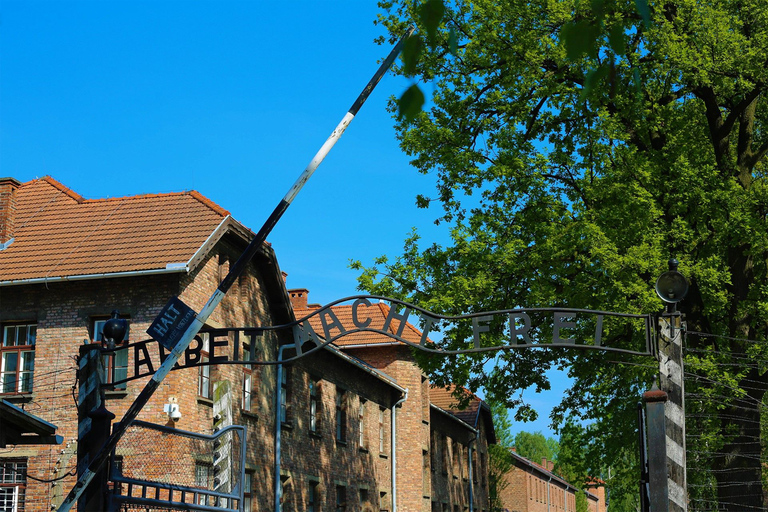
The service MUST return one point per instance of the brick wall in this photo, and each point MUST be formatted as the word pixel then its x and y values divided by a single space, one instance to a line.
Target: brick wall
pixel 8 188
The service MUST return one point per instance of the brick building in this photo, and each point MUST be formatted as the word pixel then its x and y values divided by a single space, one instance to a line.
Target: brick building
pixel 532 487
pixel 66 262
pixel 442 449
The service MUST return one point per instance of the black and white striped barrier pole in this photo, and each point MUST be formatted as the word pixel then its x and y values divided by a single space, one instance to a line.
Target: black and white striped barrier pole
pixel 177 324
pixel 671 331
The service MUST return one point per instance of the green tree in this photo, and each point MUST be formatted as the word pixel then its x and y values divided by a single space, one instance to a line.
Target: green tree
pixel 569 175
pixel 535 446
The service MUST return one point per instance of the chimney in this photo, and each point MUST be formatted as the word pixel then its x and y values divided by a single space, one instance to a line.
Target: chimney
pixel 298 298
pixel 8 188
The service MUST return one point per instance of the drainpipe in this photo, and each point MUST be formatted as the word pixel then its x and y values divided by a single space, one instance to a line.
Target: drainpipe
pixel 471 470
pixel 549 484
pixel 278 424
pixel 394 449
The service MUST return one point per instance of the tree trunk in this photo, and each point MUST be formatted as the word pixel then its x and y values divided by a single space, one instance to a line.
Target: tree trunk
pixel 738 466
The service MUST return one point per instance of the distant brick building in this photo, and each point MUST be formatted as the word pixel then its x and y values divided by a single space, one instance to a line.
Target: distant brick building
pixel 532 487
pixel 66 262
pixel 442 450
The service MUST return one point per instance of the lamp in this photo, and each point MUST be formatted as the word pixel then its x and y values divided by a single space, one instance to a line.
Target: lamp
pixel 671 286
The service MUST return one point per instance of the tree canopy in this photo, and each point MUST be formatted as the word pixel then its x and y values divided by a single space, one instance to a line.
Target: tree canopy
pixel 569 174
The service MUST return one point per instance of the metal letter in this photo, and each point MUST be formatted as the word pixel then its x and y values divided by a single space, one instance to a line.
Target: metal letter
pixel 523 331
pixel 335 322
pixel 560 323
pixel 477 328
pixel 139 361
pixel 355 320
pixel 394 314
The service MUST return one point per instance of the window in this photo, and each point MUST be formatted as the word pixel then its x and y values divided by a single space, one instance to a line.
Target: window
pixel 362 440
pixel 285 395
pixel 382 433
pixel 341 498
pixel 203 480
pixel 313 500
pixel 116 363
pixel 364 498
pixel 204 388
pixel 13 484
pixel 248 355
pixel 18 358
pixel 341 415
pixel 248 492
pixel 314 404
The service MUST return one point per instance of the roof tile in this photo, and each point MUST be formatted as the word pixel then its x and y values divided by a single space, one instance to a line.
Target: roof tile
pixel 60 234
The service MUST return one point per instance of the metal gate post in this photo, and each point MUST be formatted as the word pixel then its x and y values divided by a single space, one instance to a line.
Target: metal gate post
pixel 671 331
pixel 93 426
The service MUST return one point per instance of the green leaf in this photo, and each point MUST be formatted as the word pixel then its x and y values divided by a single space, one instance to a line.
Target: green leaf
pixel 411 52
pixel 431 14
pixel 617 39
pixel 422 201
pixel 410 103
pixel 593 79
pixel 644 11
pixel 453 42
pixel 598 8
pixel 579 38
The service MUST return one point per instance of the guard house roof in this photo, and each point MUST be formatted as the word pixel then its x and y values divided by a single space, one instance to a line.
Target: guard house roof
pixel 59 235
pixel 19 427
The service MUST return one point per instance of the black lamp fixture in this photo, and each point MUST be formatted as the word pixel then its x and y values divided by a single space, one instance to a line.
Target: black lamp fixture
pixel 114 330
pixel 671 286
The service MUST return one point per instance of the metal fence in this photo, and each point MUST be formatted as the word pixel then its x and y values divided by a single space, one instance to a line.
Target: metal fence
pixel 155 467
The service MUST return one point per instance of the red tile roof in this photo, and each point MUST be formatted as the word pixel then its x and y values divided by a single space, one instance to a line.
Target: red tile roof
pixel 444 399
pixel 60 234
pixel 377 312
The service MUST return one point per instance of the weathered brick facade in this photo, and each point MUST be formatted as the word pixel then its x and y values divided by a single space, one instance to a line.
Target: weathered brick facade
pixel 532 487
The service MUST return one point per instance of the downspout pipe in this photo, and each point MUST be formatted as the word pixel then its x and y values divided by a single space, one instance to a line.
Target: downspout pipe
pixel 471 471
pixel 278 424
pixel 394 448
pixel 549 485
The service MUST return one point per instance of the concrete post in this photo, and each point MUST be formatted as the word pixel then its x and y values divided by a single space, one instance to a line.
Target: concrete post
pixel 656 431
pixel 671 371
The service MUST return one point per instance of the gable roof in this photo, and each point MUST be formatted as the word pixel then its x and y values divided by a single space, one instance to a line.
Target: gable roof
pixel 60 235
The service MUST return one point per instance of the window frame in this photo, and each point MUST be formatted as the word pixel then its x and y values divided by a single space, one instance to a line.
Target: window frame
pixel 204 381
pixel 362 438
pixel 315 404
pixel 23 377
pixel 112 370
pixel 341 498
pixel 249 374
pixel 341 415
pixel 13 476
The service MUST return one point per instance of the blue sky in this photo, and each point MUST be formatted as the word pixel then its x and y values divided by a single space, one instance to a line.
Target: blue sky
pixel 229 98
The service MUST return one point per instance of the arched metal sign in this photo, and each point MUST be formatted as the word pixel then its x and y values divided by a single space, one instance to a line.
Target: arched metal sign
pixel 521 328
